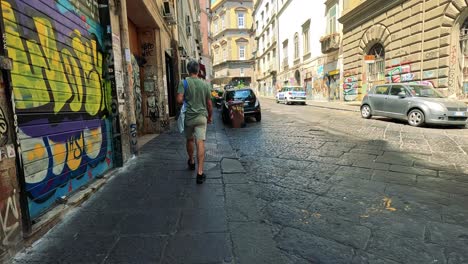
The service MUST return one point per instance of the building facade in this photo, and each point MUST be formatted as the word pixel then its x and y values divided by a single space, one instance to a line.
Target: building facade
pixel 405 41
pixel 232 43
pixel 331 48
pixel 265 50
pixel 205 27
pixel 300 56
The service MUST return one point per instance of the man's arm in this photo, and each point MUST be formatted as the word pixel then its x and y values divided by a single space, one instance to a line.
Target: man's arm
pixel 180 93
pixel 180 98
pixel 209 107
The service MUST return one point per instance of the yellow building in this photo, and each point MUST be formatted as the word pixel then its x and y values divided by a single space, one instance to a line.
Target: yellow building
pixel 232 42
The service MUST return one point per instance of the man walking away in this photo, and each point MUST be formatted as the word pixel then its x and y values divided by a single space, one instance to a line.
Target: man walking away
pixel 199 109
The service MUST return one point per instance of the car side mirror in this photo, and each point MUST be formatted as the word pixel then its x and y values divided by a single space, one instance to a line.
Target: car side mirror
pixel 402 94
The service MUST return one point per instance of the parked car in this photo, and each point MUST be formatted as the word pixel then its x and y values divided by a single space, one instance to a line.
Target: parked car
pixel 417 104
pixel 251 103
pixel 291 95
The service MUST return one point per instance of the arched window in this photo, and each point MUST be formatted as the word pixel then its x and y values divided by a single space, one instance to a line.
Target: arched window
pixel 296 46
pixel 376 69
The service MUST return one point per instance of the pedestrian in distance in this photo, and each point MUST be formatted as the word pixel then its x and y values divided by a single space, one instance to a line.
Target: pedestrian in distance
pixel 196 95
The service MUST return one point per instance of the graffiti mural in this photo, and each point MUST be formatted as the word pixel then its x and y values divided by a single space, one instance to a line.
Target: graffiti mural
pixel 3 128
pixel 61 99
pixel 137 93
pixel 399 74
pixel 350 88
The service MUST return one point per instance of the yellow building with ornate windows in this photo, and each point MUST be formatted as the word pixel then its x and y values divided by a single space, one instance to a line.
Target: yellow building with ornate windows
pixel 231 33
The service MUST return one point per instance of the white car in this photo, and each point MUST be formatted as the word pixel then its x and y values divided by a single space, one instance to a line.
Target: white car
pixel 291 95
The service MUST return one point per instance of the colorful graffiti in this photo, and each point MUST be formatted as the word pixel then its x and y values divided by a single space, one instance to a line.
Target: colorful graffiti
pixel 3 128
pixel 61 100
pixel 399 74
pixel 350 88
pixel 137 93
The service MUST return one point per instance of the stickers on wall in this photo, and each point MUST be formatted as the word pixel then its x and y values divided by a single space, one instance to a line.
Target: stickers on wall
pixel 128 56
pixel 11 153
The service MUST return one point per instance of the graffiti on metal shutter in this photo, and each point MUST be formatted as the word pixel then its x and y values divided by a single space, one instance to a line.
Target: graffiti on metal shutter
pixel 61 100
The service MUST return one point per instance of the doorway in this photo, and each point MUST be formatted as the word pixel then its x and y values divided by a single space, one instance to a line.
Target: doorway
pixel 171 89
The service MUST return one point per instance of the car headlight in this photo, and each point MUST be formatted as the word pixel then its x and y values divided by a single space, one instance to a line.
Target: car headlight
pixel 436 107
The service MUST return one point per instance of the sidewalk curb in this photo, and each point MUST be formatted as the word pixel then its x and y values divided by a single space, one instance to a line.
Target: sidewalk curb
pixel 323 107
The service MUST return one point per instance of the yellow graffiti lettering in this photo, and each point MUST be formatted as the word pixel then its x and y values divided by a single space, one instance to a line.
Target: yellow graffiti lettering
pixel 31 87
pixel 74 75
pixel 55 72
pixel 44 72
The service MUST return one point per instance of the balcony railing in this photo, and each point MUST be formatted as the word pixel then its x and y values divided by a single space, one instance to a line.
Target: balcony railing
pixel 330 42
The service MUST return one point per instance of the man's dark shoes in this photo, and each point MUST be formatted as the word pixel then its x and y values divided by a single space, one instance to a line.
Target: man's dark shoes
pixel 191 165
pixel 201 178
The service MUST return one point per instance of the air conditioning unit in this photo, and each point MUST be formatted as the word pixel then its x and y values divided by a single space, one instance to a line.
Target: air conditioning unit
pixel 168 13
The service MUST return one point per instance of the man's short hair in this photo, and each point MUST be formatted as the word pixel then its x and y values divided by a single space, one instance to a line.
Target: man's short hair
pixel 193 67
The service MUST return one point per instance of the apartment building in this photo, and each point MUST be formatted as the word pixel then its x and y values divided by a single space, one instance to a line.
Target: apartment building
pixel 232 43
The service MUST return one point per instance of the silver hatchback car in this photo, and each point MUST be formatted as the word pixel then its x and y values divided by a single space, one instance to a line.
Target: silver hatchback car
pixel 418 104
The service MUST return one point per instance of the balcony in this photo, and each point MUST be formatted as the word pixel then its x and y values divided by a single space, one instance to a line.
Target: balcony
pixel 330 43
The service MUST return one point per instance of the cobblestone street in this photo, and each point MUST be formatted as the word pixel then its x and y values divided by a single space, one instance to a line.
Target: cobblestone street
pixel 312 186
pixel 339 189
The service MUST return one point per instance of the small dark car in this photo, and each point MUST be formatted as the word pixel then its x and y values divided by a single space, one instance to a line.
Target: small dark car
pixel 251 103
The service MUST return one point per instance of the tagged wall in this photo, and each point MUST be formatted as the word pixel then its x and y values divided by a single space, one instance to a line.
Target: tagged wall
pixel 10 216
pixel 61 99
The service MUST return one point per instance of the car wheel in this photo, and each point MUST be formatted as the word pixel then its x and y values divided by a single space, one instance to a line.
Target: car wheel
pixel 416 118
pixel 304 103
pixel 366 112
pixel 258 117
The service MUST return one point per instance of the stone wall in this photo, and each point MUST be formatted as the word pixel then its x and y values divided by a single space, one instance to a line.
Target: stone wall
pixel 421 41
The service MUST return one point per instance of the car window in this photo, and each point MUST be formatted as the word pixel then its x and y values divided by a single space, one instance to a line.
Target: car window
pixel 297 89
pixel 424 91
pixel 381 90
pixel 240 95
pixel 396 89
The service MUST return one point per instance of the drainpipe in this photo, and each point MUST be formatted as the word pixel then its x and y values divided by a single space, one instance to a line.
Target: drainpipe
pixel 128 82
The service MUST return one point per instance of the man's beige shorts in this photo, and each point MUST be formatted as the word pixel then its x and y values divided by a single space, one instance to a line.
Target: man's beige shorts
pixel 196 128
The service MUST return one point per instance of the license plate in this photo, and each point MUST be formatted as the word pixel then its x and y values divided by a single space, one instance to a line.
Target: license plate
pixel 459 113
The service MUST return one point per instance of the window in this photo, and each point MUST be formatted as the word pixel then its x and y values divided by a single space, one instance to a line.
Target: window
pixel 241 20
pixel 376 70
pixel 215 26
pixel 242 52
pixel 305 36
pixel 285 49
pixel 296 46
pixel 331 20
pixel 382 90
pixel 396 89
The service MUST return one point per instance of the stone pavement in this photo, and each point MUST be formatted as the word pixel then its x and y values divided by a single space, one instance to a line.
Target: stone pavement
pixel 153 212
pixel 339 189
